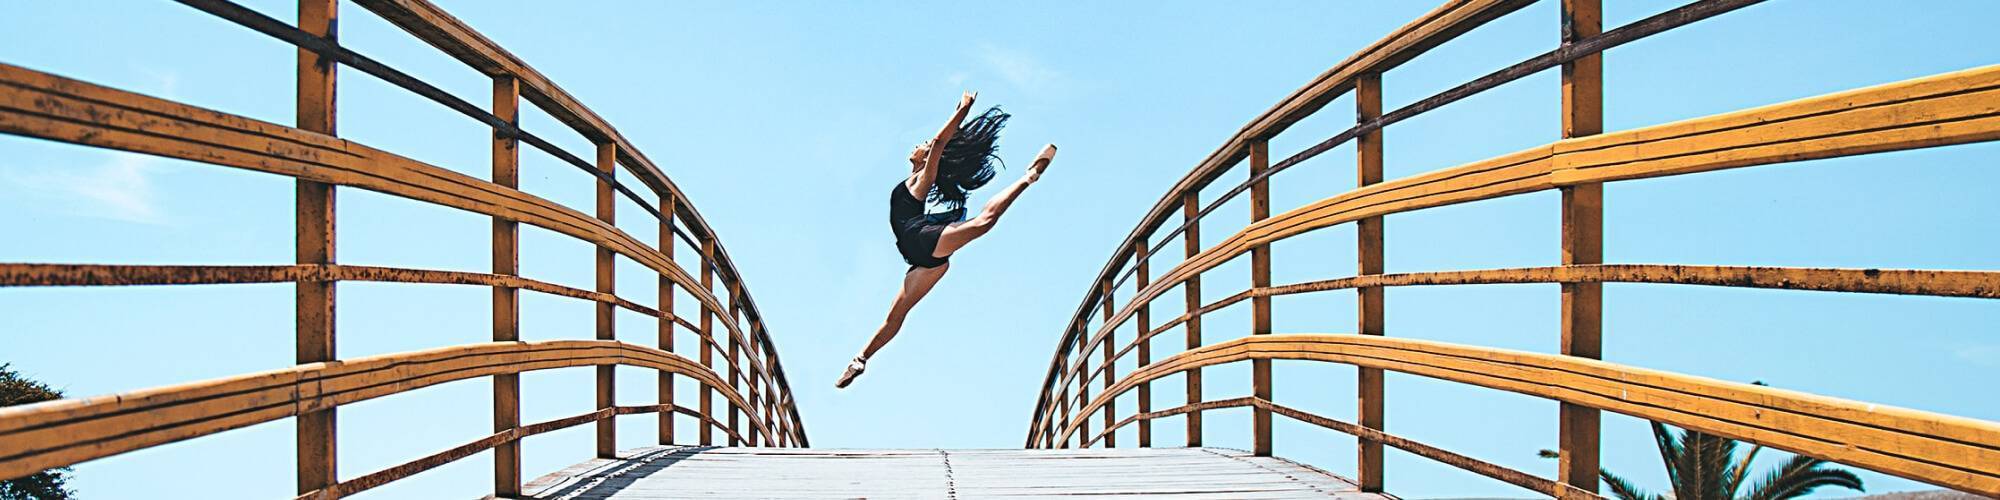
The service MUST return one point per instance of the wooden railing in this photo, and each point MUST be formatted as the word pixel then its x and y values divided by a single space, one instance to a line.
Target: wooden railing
pixel 751 381
pixel 1952 108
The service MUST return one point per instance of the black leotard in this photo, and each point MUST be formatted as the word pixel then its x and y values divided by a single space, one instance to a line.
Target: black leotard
pixel 917 232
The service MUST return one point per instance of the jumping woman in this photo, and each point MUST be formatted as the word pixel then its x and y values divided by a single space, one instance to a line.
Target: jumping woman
pixel 943 170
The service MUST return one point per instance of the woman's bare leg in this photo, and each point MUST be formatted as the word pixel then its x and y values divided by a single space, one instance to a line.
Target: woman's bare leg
pixel 916 284
pixel 957 235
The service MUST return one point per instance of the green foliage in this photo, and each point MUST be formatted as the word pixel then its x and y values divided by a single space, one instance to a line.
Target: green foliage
pixel 46 485
pixel 1705 467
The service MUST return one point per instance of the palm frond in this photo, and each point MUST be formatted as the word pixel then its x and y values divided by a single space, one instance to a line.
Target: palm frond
pixel 1623 489
pixel 1742 468
pixel 1670 454
pixel 1798 477
pixel 1712 463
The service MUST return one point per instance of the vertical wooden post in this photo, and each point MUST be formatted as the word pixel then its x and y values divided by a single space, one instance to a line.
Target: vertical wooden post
pixel 1260 305
pixel 1368 300
pixel 1190 212
pixel 314 225
pixel 707 338
pixel 665 385
pixel 735 364
pixel 1110 348
pixel 1145 324
pixel 1083 385
pixel 607 429
pixel 1582 242
pixel 506 299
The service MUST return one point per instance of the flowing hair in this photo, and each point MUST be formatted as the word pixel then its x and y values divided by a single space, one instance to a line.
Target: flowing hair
pixel 967 161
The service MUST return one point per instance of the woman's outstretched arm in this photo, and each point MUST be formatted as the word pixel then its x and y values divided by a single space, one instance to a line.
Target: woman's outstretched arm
pixel 924 172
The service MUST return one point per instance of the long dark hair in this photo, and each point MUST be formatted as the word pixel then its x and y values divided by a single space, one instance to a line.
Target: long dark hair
pixel 967 162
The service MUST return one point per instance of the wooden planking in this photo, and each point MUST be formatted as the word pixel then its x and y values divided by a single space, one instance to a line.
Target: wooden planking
pixel 1948 451
pixel 1582 244
pixel 1447 21
pixel 314 218
pixel 60 433
pixel 684 472
pixel 506 300
pixel 1952 108
pixel 1368 300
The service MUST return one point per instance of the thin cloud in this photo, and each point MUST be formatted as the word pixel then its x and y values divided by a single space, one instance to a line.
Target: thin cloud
pixel 1020 69
pixel 1979 354
pixel 120 188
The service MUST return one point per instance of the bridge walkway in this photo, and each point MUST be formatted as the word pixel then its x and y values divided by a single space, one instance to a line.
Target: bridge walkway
pixel 715 473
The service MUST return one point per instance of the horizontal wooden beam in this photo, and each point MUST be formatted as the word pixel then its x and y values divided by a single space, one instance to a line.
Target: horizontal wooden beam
pixel 1953 108
pixel 37 104
pixel 1943 450
pixel 435 460
pixel 1926 282
pixel 1447 21
pixel 1484 468
pixel 65 432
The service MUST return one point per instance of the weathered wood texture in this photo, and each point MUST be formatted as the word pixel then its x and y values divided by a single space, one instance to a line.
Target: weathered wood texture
pixel 1952 108
pixel 1948 451
pixel 1368 233
pixel 1436 27
pixel 58 433
pixel 717 473
pixel 314 222
pixel 1582 244
pixel 433 25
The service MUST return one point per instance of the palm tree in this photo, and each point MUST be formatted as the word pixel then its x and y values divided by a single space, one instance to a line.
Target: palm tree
pixel 45 485
pixel 1705 467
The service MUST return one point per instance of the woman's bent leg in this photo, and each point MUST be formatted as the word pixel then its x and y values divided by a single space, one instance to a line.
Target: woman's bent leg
pixel 957 235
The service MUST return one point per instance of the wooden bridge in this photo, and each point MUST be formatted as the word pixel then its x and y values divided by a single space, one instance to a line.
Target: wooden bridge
pixel 744 407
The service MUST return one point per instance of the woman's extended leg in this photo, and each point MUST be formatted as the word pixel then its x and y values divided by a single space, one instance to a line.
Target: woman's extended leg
pixel 957 235
pixel 916 284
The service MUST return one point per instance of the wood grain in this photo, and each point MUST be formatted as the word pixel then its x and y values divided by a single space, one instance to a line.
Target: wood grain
pixel 65 432
pixel 1943 450
pixel 745 473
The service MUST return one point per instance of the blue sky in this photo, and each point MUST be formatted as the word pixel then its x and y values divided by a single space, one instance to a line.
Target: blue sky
pixel 785 122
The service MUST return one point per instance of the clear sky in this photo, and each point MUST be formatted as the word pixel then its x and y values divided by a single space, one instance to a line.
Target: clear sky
pixel 787 122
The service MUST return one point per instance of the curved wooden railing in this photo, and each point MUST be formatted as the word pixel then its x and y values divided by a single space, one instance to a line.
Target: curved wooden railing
pixel 751 381
pixel 1952 108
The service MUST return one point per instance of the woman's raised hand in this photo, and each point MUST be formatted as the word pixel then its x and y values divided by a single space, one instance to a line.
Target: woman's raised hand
pixel 965 101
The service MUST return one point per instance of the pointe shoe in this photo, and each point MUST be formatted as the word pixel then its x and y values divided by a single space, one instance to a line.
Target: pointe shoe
pixel 1042 160
pixel 854 369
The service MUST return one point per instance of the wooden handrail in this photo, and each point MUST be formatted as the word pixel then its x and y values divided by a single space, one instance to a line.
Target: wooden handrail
pixel 1949 451
pixel 64 432
pixel 1953 108
pixel 43 105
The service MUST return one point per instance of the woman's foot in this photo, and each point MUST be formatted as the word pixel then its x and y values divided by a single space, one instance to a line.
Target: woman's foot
pixel 854 369
pixel 1041 163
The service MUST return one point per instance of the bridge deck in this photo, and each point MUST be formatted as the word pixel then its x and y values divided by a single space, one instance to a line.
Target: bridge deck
pixel 689 472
